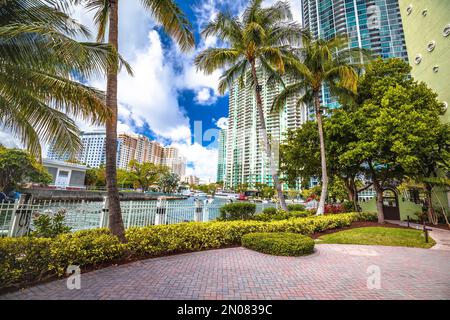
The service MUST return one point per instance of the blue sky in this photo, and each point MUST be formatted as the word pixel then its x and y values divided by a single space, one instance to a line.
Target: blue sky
pixel 167 99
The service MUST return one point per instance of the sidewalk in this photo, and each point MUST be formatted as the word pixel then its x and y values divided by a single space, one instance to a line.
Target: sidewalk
pixel 442 237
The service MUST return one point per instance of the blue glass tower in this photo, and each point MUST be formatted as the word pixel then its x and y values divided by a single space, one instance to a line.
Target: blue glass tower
pixel 370 24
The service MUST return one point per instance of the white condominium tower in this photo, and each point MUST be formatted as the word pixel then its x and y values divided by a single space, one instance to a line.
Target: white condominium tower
pixel 93 153
pixel 246 161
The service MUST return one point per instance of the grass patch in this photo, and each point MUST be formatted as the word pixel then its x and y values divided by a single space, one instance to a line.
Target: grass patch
pixel 380 236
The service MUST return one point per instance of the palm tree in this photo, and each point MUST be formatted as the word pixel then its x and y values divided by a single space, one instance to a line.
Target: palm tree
pixel 260 38
pixel 38 62
pixel 175 23
pixel 318 63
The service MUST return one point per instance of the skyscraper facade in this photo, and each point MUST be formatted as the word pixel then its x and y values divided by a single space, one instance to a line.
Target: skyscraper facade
pixel 375 25
pixel 246 161
pixel 172 158
pixel 222 156
pixel 92 154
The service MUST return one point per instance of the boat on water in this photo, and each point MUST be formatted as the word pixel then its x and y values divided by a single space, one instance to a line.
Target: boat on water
pixel 225 195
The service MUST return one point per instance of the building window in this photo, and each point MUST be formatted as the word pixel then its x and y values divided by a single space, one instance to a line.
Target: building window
pixel 409 9
pixel 418 59
pixel 446 31
pixel 431 45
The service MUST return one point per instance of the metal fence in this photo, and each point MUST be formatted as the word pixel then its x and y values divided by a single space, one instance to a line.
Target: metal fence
pixel 16 218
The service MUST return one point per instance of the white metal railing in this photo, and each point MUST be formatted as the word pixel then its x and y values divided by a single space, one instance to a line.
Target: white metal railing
pixel 17 218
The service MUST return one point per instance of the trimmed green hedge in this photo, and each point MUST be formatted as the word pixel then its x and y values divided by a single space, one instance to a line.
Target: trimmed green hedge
pixel 24 260
pixel 279 243
pixel 280 215
pixel 295 207
pixel 237 211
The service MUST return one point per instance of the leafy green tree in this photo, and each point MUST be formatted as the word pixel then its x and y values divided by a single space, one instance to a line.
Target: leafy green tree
pixel 300 156
pixel 241 188
pixel 146 174
pixel 38 58
pixel 125 178
pixel 395 123
pixel 95 177
pixel 176 25
pixel 169 182
pixel 318 63
pixel 261 38
pixel 18 167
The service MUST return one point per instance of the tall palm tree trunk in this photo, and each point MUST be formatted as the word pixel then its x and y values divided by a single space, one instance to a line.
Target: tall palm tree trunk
pixel 323 160
pixel 267 147
pixel 115 214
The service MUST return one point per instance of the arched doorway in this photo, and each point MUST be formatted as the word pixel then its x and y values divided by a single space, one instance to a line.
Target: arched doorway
pixel 390 205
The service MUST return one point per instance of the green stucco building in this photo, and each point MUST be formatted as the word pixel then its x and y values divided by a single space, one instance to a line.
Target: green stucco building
pixel 426 26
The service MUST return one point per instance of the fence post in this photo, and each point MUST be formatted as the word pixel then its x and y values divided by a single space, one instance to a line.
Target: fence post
pixel 104 213
pixel 161 208
pixel 21 217
pixel 130 209
pixel 199 210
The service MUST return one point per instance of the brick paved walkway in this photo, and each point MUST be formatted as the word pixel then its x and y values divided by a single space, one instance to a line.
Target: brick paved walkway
pixel 333 272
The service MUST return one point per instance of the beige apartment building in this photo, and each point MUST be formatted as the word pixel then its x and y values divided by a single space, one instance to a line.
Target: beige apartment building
pixel 142 149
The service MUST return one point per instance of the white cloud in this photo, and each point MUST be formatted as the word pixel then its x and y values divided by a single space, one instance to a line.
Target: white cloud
pixel 202 161
pixel 8 140
pixel 205 96
pixel 222 123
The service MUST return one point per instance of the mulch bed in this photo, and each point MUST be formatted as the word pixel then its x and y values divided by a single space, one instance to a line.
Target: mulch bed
pixel 357 224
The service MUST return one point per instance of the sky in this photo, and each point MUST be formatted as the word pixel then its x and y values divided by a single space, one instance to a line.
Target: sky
pixel 167 99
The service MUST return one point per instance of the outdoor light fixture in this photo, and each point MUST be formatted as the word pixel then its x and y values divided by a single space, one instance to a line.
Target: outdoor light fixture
pixel 436 69
pixel 409 9
pixel 424 12
pixel 446 31
pixel 431 45
pixel 418 59
pixel 445 105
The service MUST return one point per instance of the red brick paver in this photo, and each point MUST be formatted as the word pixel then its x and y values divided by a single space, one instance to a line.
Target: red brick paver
pixel 332 272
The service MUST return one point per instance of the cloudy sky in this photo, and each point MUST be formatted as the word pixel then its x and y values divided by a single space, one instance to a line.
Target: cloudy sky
pixel 167 99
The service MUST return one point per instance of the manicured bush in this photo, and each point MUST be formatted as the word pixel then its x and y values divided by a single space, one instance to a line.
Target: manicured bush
pixel 279 243
pixel 281 215
pixel 27 259
pixel 295 207
pixel 49 226
pixel 300 214
pixel 270 210
pixel 23 259
pixel 84 248
pixel 237 211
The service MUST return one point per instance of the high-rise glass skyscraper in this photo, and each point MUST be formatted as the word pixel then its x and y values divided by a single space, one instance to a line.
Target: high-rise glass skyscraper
pixel 222 155
pixel 246 162
pixel 370 24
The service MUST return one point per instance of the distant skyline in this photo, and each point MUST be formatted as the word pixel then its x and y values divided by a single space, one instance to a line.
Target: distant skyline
pixel 167 95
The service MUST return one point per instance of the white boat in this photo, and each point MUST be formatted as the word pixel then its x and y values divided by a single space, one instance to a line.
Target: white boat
pixel 225 195
pixel 200 194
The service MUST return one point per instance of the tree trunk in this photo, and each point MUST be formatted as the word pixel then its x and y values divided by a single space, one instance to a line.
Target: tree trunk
pixel 432 218
pixel 267 147
pixel 379 193
pixel 323 161
pixel 115 214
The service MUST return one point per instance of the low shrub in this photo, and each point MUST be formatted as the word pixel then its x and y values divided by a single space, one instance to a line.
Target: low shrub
pixel 270 210
pixel 281 215
pixel 295 207
pixel 84 248
pixel 23 259
pixel 49 226
pixel 27 259
pixel 237 211
pixel 279 243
